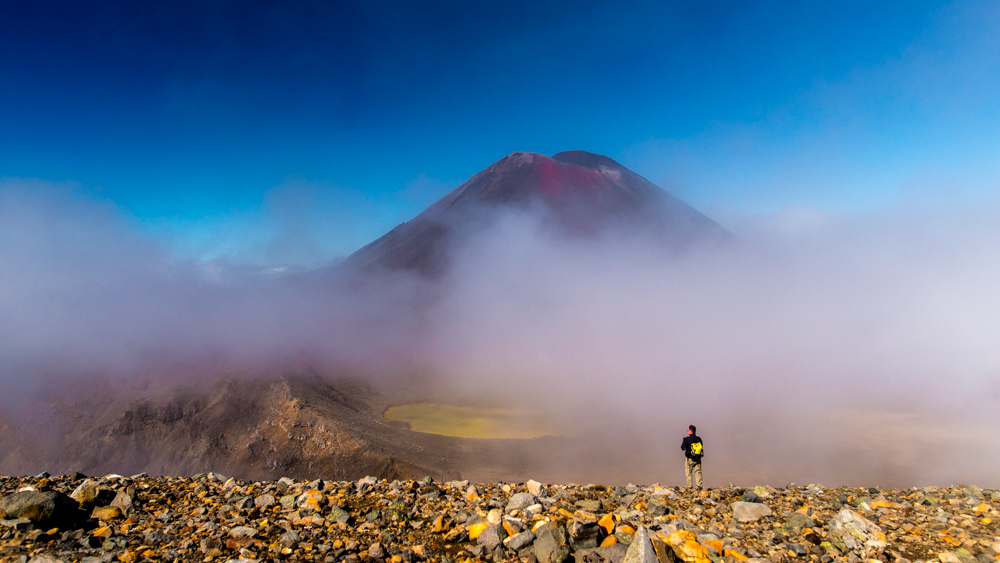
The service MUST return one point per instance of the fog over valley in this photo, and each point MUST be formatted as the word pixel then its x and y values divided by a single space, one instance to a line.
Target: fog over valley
pixel 840 348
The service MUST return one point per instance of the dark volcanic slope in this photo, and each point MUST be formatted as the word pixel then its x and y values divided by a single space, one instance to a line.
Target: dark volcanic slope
pixel 583 192
pixel 252 428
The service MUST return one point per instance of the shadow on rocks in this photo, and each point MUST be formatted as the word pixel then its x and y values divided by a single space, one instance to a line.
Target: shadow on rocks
pixel 44 509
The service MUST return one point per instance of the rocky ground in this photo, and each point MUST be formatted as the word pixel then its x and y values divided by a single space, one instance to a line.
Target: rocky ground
pixel 211 518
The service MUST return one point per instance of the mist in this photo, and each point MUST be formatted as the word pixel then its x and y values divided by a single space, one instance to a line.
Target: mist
pixel 85 293
pixel 817 347
pixel 831 347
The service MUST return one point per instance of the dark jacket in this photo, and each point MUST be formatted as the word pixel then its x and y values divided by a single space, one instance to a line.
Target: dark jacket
pixel 686 446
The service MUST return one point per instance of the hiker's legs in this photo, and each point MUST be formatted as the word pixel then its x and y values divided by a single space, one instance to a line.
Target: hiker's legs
pixel 697 473
pixel 688 465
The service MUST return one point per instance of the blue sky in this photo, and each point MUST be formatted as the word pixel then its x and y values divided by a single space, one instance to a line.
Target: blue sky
pixel 295 132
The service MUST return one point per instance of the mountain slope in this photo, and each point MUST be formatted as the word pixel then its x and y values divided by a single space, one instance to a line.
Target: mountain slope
pixel 257 428
pixel 249 427
pixel 583 193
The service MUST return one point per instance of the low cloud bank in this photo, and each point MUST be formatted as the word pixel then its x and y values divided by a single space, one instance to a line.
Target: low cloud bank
pixel 833 348
pixel 84 294
pixel 828 347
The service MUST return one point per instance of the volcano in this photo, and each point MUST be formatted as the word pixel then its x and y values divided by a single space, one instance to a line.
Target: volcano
pixel 265 422
pixel 580 192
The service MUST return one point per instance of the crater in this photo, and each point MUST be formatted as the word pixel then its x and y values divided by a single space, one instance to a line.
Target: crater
pixel 462 421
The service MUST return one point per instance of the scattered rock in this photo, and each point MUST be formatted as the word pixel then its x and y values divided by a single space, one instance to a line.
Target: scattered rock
pixel 852 533
pixel 583 530
pixel 796 521
pixel 41 507
pixel 657 508
pixel 265 500
pixel 290 538
pixel 225 519
pixel 211 547
pixel 641 549
pixel 749 511
pixel 338 515
pixel 928 500
pixel 534 487
pixel 960 555
pixel 520 501
pixel 550 544
pixel 491 537
pixel 242 532
pixel 520 541
pixel 123 502
pixel 106 513
pixel 604 554
pixel 85 493
pixel 798 549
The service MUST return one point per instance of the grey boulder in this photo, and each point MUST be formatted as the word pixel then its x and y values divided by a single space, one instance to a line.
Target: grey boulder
pixel 750 511
pixel 641 549
pixel 492 536
pixel 550 544
pixel 265 500
pixel 520 541
pixel 39 506
pixel 852 533
pixel 520 501
pixel 123 502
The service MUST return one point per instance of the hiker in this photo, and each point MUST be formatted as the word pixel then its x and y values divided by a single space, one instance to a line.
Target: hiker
pixel 693 451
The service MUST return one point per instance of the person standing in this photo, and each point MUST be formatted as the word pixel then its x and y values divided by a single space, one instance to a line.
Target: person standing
pixel 693 452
